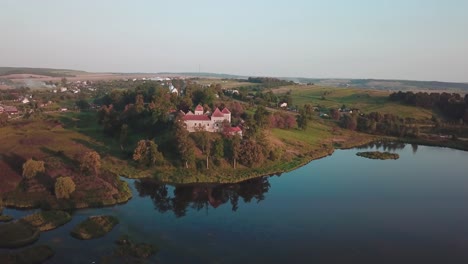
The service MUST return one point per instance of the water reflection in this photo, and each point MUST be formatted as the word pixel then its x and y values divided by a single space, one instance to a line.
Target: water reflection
pixel 200 196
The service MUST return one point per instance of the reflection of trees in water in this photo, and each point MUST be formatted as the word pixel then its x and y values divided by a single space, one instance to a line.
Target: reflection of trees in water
pixel 200 196
pixel 385 146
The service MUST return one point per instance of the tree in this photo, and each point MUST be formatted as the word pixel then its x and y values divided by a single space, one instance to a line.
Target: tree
pixel 185 146
pixel 147 153
pixel 64 186
pixel 91 162
pixel 261 117
pixel 123 135
pixel 64 82
pixel 349 122
pixel 235 149
pixel 218 149
pixel 32 167
pixel 83 104
pixel 251 153
pixel 302 119
pixel 204 141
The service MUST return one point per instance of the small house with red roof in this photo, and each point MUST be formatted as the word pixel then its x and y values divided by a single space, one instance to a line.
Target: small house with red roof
pixel 199 120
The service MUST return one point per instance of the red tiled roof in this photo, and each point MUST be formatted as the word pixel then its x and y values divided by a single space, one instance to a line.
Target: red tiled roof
pixel 196 118
pixel 226 111
pixel 217 113
pixel 199 108
pixel 233 129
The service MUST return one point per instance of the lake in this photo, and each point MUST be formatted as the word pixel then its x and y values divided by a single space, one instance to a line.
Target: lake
pixel 339 209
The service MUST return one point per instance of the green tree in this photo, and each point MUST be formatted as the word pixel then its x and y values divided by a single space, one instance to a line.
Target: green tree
pixel 147 153
pixel 185 146
pixel 83 104
pixel 261 117
pixel 123 138
pixel 64 187
pixel 302 119
pixel 91 163
pixel 204 141
pixel 235 149
pixel 32 167
pixel 218 149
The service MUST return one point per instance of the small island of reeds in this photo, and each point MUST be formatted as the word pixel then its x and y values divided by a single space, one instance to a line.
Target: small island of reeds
pixel 378 155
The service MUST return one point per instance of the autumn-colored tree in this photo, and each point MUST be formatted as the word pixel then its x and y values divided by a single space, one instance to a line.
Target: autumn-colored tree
pixel 91 162
pixel 32 167
pixel 251 153
pixel 147 153
pixel 64 186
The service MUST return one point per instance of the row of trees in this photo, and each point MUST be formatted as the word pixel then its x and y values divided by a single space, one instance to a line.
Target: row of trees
pixel 453 105
pixel 377 123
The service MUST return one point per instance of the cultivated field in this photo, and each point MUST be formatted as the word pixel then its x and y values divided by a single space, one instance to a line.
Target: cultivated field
pixel 365 100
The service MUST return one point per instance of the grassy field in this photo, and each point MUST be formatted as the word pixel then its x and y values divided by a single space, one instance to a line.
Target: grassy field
pixel 60 149
pixel 365 100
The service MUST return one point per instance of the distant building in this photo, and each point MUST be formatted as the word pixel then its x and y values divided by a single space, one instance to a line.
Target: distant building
pixel 200 120
pixel 11 110
pixel 25 100
pixel 172 89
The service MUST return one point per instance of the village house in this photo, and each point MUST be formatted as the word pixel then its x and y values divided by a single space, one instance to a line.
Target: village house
pixel 10 110
pixel 214 122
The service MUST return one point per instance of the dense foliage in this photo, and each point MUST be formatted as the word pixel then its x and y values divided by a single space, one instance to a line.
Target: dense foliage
pixel 377 123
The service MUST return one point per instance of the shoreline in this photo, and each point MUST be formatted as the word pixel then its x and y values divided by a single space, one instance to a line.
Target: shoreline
pixel 253 173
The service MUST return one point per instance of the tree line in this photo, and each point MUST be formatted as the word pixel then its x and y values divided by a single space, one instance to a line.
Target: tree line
pixel 451 105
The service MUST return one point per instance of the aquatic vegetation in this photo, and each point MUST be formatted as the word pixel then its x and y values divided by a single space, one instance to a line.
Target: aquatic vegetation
pixel 378 155
pixel 94 226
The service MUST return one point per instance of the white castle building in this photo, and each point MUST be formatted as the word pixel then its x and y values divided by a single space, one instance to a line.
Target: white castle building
pixel 200 120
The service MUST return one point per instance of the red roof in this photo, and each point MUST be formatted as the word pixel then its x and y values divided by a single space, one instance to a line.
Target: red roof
pixel 226 111
pixel 233 129
pixel 217 113
pixel 196 118
pixel 199 108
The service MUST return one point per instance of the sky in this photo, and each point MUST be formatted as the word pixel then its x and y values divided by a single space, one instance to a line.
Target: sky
pixel 394 39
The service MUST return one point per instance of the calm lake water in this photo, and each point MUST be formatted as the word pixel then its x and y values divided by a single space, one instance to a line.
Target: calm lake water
pixel 340 209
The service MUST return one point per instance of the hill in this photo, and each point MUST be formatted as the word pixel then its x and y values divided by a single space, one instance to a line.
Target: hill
pixel 4 71
pixel 392 85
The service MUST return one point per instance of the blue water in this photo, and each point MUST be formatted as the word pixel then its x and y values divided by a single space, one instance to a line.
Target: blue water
pixel 340 209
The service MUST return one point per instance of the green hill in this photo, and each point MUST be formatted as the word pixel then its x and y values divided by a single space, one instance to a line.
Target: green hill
pixel 39 71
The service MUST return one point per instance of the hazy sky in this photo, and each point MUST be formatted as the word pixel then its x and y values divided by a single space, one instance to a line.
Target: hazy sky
pixel 394 39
